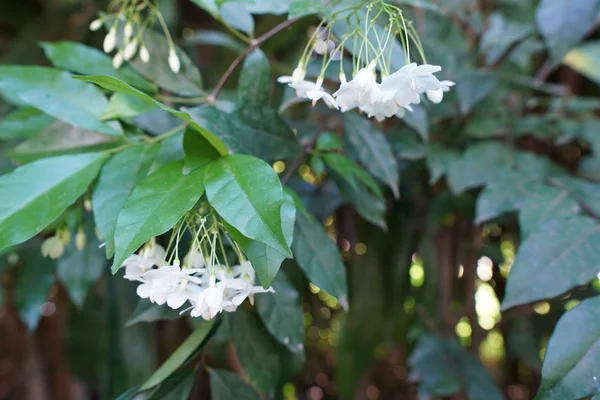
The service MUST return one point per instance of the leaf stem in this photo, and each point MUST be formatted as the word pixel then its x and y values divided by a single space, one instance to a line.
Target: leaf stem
pixel 253 44
pixel 182 100
pixel 154 139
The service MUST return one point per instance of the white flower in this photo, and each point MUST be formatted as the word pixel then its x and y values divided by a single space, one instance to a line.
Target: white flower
pixel 208 303
pixel 194 259
pixel 96 24
pixel 135 265
pixel 174 62
pixel 238 283
pixel 118 60
pixel 53 247
pixel 130 50
pixel 358 91
pixel 436 96
pixel 314 92
pixel 169 284
pixel 110 41
pixel 410 81
pixel 144 54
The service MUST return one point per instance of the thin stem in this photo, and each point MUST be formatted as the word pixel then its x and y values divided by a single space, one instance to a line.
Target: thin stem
pixel 254 44
pixel 182 100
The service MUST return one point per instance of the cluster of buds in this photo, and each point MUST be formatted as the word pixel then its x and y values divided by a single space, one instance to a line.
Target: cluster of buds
pixel 54 246
pixel 134 17
pixel 372 49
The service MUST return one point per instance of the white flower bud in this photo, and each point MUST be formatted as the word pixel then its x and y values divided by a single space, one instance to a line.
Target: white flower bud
pixel 320 46
pixel 130 50
pixel 174 62
pixel 118 60
pixel 110 41
pixel 144 54
pixel 80 239
pixel 96 24
pixel 87 204
pixel 53 247
pixel 435 96
pixel 128 30
pixel 298 75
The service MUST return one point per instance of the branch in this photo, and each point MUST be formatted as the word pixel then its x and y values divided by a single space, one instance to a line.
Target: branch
pixel 253 44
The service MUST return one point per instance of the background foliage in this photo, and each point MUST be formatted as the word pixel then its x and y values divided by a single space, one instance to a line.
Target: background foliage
pixel 466 240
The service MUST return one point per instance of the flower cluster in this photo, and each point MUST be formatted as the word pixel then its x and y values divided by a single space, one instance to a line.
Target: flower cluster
pixel 392 96
pixel 395 92
pixel 137 16
pixel 203 279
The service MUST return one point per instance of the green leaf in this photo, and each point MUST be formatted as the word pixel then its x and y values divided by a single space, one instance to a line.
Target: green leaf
pixel 372 150
pixel 510 189
pixel 215 38
pixel 181 355
pixel 437 373
pixel 255 80
pixel 85 60
pixel 270 142
pixel 585 60
pixel 24 123
pixel 122 105
pixel 479 164
pixel 198 151
pixel 275 140
pixel 225 385
pixel 116 85
pixel 301 8
pixel 500 35
pixel 439 159
pixel 117 179
pixel 563 23
pixel 352 173
pixel 265 260
pixel 55 93
pixel 406 145
pixel 545 204
pixel 570 369
pixel 556 257
pixel 247 194
pixel 473 87
pixel 282 314
pixel 256 350
pixel 35 194
pixel 443 365
pixel 187 82
pixel 176 387
pixel 328 141
pixel 146 311
pixel 275 7
pixel 317 255
pixel 78 269
pixel 155 206
pixel 60 138
pixel 33 281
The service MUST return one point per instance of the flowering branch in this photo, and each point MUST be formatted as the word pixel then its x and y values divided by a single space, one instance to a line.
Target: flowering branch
pixel 253 44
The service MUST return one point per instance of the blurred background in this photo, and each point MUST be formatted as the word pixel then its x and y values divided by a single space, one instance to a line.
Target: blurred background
pixel 433 271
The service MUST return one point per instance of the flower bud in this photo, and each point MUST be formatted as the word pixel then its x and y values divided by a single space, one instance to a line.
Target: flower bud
pixel 87 204
pixel 174 62
pixel 298 75
pixel 80 239
pixel 118 60
pixel 53 247
pixel 130 50
pixel 128 30
pixel 144 54
pixel 64 235
pixel 96 24
pixel 110 41
pixel 320 46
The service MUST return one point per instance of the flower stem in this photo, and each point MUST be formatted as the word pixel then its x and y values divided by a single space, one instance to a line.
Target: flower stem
pixel 253 44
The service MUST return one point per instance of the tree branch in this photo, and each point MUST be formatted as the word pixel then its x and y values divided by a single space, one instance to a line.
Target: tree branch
pixel 253 44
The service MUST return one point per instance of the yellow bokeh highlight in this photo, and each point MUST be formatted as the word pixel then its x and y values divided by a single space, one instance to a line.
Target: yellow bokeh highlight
pixel 542 308
pixel 279 166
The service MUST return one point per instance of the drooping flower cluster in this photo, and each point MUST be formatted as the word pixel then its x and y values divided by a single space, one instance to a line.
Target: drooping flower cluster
pixel 204 278
pixel 130 19
pixel 396 91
